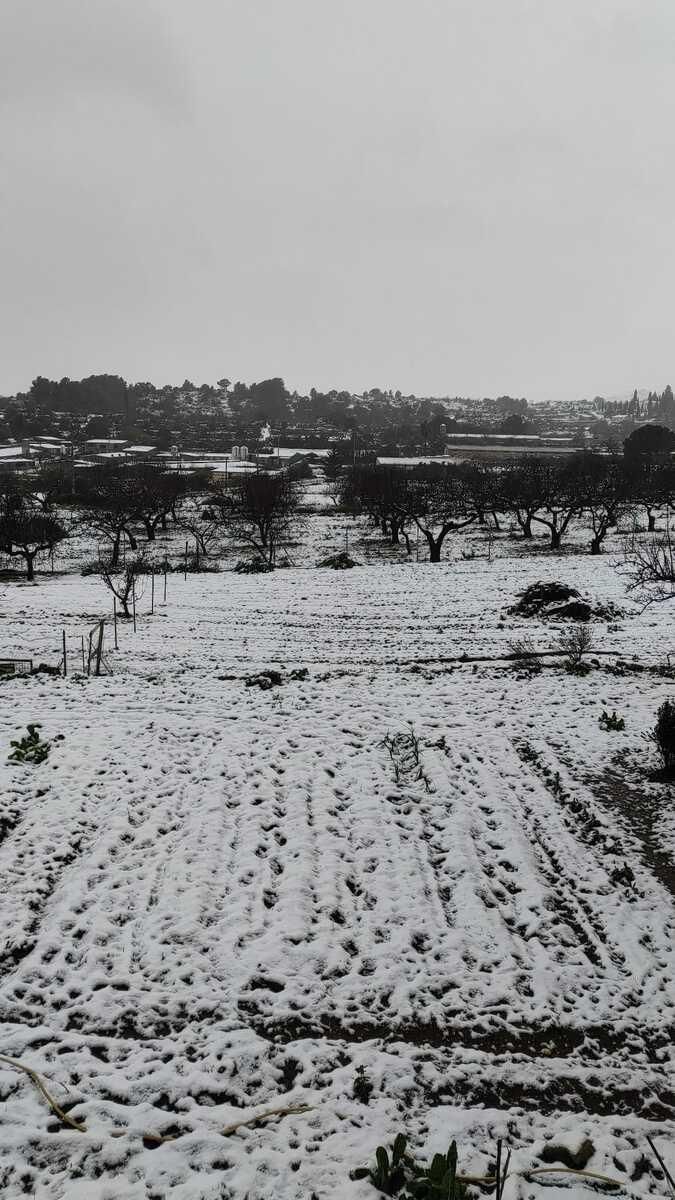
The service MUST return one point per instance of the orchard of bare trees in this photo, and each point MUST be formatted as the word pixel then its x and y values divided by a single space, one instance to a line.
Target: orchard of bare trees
pixel 544 493
pixel 122 509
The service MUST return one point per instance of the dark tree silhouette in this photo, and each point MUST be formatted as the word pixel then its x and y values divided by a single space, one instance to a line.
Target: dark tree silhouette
pixel 25 534
pixel 259 510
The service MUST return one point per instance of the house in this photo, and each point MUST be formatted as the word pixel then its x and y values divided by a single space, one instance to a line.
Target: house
pixel 104 445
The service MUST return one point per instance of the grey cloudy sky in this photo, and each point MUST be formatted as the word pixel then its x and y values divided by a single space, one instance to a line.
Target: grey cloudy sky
pixel 443 196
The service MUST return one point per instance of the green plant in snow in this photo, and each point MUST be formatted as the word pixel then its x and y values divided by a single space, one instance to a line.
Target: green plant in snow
pixel 30 748
pixel 389 1172
pixel 398 1174
pixel 439 1181
pixel 363 1086
pixel 611 722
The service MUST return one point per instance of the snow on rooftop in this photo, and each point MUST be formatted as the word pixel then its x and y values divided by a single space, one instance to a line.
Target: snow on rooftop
pixel 106 442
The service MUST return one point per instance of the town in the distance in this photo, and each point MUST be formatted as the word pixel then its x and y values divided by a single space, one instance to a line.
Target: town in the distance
pixel 104 419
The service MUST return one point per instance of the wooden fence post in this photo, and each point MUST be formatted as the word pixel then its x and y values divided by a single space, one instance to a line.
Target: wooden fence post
pixel 99 647
pixel 65 658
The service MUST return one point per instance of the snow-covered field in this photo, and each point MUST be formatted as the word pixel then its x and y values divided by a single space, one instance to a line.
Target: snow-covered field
pixel 219 900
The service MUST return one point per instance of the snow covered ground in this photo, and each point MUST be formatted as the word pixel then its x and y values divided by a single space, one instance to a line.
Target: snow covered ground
pixel 219 899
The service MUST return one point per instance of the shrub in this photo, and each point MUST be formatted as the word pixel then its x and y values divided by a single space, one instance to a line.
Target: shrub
pixel 30 748
pixel 91 568
pixel 253 566
pixel 200 565
pixel 663 735
pixel 299 469
pixel 525 654
pixel 574 643
pixel 611 723
pixel 339 562
pixel 404 751
pixel 264 680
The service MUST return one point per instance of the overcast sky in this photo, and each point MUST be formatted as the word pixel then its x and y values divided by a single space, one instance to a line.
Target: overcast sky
pixel 464 197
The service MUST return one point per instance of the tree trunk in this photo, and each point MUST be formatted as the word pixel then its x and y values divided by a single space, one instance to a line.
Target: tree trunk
pixel 149 530
pixel 30 567
pixel 556 536
pixel 115 556
pixel 394 531
pixel 133 544
pixel 434 546
pixel 651 521
pixel 495 518
pixel 525 524
pixel 596 545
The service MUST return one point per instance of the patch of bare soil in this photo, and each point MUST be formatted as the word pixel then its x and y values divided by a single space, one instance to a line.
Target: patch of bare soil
pixel 620 792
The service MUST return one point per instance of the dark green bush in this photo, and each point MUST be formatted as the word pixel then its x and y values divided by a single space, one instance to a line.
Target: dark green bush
pixel 30 748
pixel 663 735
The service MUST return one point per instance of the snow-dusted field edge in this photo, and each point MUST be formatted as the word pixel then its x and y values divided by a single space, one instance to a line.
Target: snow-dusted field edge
pixel 218 899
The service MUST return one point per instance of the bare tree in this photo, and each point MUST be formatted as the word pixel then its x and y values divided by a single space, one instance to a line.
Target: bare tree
pixel 382 493
pixel 523 492
pixel 649 565
pixel 484 487
pixel 438 502
pixel 257 509
pixel 159 493
pixel 51 484
pixel 121 580
pixel 204 527
pixel 559 499
pixel 651 484
pixel 25 534
pixel 602 487
pixel 110 503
